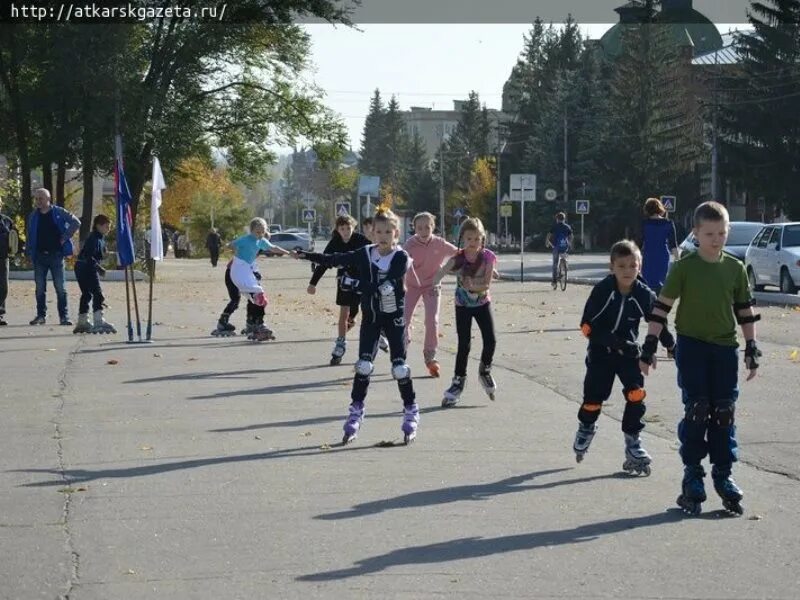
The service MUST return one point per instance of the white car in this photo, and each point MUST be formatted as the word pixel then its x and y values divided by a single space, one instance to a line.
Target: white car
pixel 292 241
pixel 739 238
pixel 773 257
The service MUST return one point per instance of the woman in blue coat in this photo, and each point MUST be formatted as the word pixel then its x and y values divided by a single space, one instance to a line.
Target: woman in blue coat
pixel 659 240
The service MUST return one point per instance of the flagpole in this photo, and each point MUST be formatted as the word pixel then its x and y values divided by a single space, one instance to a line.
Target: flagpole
pixel 128 306
pixel 150 300
pixel 136 305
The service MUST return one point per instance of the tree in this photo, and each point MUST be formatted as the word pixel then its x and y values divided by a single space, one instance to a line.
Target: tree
pixel 372 158
pixel 418 188
pixel 760 111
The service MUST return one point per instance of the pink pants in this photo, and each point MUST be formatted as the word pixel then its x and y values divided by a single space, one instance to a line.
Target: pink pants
pixel 430 301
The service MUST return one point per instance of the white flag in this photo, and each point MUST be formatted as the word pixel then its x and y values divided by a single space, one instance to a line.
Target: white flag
pixel 156 241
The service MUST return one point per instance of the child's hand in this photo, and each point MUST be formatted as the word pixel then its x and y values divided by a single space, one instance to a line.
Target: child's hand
pixel 751 356
pixel 645 368
pixel 312 289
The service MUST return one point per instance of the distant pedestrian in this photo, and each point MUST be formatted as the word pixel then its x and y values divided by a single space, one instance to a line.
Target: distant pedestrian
pixel 50 230
pixel 658 239
pixel 9 240
pixel 88 270
pixel 213 243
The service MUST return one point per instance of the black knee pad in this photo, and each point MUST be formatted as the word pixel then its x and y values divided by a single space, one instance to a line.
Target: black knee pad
pixel 697 411
pixel 723 414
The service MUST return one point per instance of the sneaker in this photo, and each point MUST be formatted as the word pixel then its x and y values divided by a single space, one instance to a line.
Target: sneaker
pixel 2 321
pixel 38 320
pixel 65 321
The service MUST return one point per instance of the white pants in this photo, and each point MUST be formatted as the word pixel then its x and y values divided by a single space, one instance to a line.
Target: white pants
pixel 243 277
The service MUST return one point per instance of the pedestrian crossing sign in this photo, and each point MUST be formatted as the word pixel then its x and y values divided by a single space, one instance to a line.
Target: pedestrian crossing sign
pixel 309 215
pixel 582 207
pixel 669 202
pixel 342 209
pixel 458 213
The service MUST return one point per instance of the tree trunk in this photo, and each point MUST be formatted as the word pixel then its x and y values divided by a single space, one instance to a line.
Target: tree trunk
pixel 61 175
pixel 88 184
pixel 47 175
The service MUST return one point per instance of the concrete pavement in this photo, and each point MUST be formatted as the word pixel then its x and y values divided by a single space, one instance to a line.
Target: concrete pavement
pixel 197 467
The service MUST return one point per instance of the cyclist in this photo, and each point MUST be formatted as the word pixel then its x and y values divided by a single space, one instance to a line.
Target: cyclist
pixel 560 240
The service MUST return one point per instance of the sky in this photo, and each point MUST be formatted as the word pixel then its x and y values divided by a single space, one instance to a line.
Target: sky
pixel 421 64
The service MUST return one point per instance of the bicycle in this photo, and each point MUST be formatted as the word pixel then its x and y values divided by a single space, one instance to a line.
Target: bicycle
pixel 562 269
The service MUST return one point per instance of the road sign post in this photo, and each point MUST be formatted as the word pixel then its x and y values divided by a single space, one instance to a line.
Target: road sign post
pixel 505 212
pixel 582 208
pixel 523 189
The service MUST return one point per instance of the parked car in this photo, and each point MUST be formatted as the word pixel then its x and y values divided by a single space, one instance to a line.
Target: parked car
pixel 296 231
pixel 739 238
pixel 773 257
pixel 292 241
pixel 275 228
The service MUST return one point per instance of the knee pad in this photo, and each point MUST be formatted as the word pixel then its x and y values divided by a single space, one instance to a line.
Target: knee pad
pixel 592 407
pixel 723 414
pixel 364 367
pixel 400 370
pixel 635 395
pixel 697 411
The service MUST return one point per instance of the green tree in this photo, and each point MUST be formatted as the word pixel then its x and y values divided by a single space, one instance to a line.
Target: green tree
pixel 760 112
pixel 372 161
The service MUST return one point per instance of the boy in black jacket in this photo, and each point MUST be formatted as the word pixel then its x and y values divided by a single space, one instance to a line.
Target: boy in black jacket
pixel 381 269
pixel 610 321
pixel 88 269
pixel 347 299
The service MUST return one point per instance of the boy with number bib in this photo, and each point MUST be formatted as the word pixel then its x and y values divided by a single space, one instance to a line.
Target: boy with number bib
pixel 714 295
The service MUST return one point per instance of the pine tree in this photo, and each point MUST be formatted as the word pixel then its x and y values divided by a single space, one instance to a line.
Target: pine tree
pixel 372 151
pixel 394 147
pixel 418 188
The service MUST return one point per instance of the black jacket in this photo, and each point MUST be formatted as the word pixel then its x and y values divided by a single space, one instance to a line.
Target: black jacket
pixel 614 319
pixel 370 277
pixel 336 244
pixel 93 250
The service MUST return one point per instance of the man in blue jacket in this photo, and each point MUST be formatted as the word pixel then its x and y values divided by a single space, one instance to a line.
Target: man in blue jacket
pixel 50 231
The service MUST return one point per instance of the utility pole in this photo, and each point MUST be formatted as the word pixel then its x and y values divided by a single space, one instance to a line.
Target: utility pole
pixel 441 184
pixel 714 151
pixel 566 167
pixel 499 158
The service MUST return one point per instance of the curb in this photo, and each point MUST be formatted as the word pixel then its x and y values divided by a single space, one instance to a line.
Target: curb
pixel 70 275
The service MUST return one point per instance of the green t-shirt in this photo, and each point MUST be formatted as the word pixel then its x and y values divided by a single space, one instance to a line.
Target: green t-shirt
pixel 707 292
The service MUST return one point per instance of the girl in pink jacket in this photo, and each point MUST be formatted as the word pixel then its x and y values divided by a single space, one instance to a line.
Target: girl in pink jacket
pixel 428 252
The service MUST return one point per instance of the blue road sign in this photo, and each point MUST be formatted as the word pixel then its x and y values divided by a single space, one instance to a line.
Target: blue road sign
pixel 669 202
pixel 582 207
pixel 309 215
pixel 458 213
pixel 342 209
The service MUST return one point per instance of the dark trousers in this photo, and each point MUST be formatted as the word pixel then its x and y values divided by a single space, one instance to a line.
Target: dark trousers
pixel 54 263
pixel 89 283
pixel 214 252
pixel 3 284
pixel 602 367
pixel 392 326
pixel 708 378
pixel 483 317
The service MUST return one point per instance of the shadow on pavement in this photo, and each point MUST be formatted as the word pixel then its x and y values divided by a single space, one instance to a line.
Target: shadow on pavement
pixel 232 341
pixel 215 375
pixel 475 547
pixel 278 389
pixel 459 493
pixel 332 419
pixel 70 476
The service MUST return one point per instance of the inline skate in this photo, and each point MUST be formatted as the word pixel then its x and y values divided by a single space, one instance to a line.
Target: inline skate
pixel 637 460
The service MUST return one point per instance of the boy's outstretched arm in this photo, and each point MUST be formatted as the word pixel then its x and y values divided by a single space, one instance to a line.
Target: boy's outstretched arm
pixel 747 317
pixel 657 320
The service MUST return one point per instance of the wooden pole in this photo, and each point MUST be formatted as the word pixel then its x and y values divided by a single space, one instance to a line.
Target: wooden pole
pixel 128 306
pixel 150 300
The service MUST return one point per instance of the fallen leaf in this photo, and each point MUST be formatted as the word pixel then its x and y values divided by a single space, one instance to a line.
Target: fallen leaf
pixel 793 355
pixel 145 447
pixel 258 437
pixel 130 572
pixel 325 447
pixel 306 433
pixel 50 350
pixel 156 355
pixel 112 361
pixel 191 359
pixel 754 518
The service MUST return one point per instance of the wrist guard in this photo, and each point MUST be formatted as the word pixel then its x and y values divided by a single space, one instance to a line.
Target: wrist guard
pixel 751 355
pixel 649 349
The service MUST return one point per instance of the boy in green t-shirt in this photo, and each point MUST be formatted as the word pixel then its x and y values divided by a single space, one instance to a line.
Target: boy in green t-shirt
pixel 714 290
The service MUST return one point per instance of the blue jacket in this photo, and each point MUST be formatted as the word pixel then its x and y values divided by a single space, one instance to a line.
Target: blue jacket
pixel 93 250
pixel 369 276
pixel 613 317
pixel 66 222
